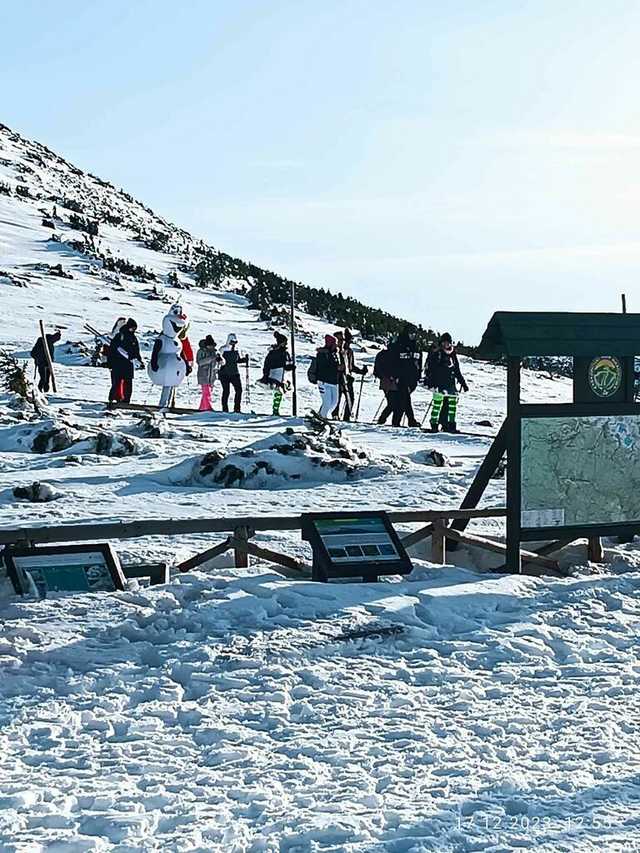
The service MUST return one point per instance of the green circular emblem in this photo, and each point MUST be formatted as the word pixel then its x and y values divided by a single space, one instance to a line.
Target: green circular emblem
pixel 605 375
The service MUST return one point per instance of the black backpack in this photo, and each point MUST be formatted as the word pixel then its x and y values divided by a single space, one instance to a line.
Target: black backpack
pixel 312 372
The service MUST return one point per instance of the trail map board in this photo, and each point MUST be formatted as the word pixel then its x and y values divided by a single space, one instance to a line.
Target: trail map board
pixel 573 469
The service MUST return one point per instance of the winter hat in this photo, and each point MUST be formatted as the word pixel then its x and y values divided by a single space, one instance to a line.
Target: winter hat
pixel 280 338
pixel 446 338
pixel 57 335
pixel 131 324
pixel 232 339
pixel 330 342
pixel 208 342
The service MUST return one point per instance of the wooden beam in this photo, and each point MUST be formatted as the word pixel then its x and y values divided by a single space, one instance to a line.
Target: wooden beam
pixel 47 356
pixel 543 550
pixel 189 526
pixel 205 556
pixel 595 552
pixel 240 551
pixel 439 543
pixel 499 548
pixel 294 567
pixel 481 479
pixel 417 536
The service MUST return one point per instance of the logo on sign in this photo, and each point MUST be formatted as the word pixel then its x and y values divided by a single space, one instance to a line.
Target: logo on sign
pixel 605 376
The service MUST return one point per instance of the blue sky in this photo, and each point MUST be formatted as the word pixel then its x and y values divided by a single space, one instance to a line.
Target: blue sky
pixel 442 160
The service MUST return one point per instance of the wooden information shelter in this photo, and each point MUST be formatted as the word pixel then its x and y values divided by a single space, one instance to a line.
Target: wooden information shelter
pixel 603 408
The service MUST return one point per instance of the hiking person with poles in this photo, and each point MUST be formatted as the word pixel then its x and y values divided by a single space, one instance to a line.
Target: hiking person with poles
pixel 229 373
pixel 276 363
pixel 445 372
pixel 350 367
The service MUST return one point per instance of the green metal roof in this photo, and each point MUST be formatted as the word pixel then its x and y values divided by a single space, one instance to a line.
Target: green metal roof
pixel 515 333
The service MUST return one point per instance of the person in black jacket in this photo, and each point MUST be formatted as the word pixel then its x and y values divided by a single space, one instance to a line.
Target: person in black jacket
pixel 124 358
pixel 39 356
pixel 432 357
pixel 383 371
pixel 350 367
pixel 406 371
pixel 445 372
pixel 277 362
pixel 229 374
pixel 328 375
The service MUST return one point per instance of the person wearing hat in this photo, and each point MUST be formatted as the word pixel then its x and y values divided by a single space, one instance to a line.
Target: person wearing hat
pixel 444 374
pixel 328 375
pixel 229 374
pixel 207 359
pixel 276 363
pixel 124 358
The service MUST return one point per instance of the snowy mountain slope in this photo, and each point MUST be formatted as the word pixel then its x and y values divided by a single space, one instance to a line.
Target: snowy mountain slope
pixel 235 711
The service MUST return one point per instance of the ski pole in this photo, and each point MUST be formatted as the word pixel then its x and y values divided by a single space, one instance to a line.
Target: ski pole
pixel 378 410
pixel 359 397
pixel 426 413
pixel 248 386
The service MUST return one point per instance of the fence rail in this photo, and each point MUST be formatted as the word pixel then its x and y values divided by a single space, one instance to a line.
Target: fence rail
pixel 439 524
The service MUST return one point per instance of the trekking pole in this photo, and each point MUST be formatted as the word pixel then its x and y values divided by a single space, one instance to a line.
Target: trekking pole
pixel 359 397
pixel 426 413
pixel 378 410
pixel 247 383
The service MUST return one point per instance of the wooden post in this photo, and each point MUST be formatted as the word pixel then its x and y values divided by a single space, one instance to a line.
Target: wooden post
pixel 438 543
pixel 624 303
pixel 241 557
pixel 513 557
pixel 294 380
pixel 47 355
pixel 594 549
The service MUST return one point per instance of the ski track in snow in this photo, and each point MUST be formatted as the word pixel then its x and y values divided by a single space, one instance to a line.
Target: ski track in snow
pixel 236 711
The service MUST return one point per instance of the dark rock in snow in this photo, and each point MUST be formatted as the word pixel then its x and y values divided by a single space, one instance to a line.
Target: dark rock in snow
pixel 37 493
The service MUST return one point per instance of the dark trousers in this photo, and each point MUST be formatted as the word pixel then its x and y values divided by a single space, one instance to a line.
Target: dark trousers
pixel 121 386
pixel 403 406
pixel 389 407
pixel 227 382
pixel 346 393
pixel 44 375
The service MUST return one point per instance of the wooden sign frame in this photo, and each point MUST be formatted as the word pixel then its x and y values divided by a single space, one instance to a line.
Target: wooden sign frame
pixel 17 572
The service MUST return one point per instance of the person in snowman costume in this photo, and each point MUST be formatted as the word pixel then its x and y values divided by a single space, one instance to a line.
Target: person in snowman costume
pixel 169 364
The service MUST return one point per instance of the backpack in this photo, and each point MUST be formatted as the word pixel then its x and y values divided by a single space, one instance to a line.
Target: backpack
pixel 312 372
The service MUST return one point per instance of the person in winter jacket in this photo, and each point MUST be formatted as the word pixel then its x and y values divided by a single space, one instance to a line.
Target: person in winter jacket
pixel 229 374
pixel 349 367
pixel 383 371
pixel 328 375
pixel 445 372
pixel 38 354
pixel 406 370
pixel 207 359
pixel 432 357
pixel 277 362
pixel 124 357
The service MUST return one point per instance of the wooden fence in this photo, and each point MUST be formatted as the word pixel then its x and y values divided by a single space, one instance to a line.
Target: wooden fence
pixel 242 530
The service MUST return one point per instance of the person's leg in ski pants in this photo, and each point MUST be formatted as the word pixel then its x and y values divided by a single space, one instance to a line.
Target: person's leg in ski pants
pixel 388 408
pixel 402 404
pixel 165 396
pixel 205 398
pixel 277 400
pixel 237 387
pixel 329 397
pixel 44 375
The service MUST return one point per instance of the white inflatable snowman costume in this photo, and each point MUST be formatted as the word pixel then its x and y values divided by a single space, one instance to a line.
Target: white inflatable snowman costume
pixel 167 366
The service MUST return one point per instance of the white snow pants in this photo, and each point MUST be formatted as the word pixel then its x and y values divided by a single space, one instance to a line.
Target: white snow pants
pixel 329 397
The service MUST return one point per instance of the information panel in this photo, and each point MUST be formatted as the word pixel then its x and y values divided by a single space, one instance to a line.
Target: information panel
pixel 354 544
pixel 580 471
pixel 65 568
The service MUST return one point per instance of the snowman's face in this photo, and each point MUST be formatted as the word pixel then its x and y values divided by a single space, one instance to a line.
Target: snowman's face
pixel 172 325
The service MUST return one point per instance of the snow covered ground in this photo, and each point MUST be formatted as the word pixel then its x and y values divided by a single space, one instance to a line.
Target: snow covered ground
pixel 233 710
